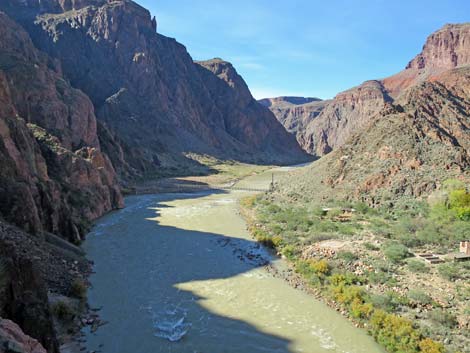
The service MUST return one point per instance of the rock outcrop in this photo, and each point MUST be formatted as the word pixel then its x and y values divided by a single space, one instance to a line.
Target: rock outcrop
pixel 295 113
pixel 148 91
pixel 323 128
pixel 14 340
pixel 23 291
pixel 54 176
pixel 406 152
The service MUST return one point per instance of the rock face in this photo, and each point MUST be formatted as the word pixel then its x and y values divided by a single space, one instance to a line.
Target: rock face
pixel 148 91
pixel 295 113
pixel 54 176
pixel 408 150
pixel 24 293
pixel 445 49
pixel 13 340
pixel 325 127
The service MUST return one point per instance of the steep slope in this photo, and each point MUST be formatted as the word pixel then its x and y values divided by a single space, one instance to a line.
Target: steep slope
pixel 54 176
pixel 295 113
pixel 329 126
pixel 445 49
pixel 409 149
pixel 148 91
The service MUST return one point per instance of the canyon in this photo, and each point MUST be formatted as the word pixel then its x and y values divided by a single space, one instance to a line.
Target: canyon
pixel 94 100
pixel 322 126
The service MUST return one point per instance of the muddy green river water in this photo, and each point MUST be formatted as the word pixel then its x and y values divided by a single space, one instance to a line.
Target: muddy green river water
pixel 180 273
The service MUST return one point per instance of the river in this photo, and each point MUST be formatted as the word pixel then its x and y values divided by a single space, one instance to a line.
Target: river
pixel 180 273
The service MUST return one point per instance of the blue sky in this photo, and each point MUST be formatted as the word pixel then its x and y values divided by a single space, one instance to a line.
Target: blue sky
pixel 307 48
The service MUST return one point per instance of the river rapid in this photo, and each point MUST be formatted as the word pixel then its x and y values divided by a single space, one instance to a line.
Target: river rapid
pixel 180 273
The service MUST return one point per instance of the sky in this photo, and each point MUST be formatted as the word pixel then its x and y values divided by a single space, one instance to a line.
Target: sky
pixel 306 48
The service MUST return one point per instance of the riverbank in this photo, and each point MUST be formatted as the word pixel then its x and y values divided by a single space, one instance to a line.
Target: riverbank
pixel 227 294
pixel 338 255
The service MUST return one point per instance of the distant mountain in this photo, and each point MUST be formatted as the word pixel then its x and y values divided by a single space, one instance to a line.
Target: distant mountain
pixel 287 101
pixel 327 127
pixel 401 136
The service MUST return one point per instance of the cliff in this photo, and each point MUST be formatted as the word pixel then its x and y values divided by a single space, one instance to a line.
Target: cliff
pixel 54 176
pixel 406 151
pixel 326 127
pixel 147 90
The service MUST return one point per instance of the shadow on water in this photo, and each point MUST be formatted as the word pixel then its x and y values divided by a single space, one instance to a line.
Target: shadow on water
pixel 138 265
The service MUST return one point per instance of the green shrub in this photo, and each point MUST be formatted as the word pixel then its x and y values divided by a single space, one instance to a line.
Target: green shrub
pixel 289 252
pixel 390 301
pixel 417 266
pixel 360 309
pixel 419 297
pixel 443 317
pixel 453 184
pixel 347 256
pixel 371 247
pixel 362 208
pixel 449 271
pixel 78 289
pixel 347 294
pixel 395 333
pixel 396 252
pixel 62 311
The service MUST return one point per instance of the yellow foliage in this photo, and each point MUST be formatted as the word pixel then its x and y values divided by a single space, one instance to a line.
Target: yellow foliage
pixel 427 345
pixel 320 267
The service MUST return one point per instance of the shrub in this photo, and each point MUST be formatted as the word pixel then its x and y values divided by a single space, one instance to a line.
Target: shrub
pixel 361 310
pixel 396 252
pixel 427 345
pixel 449 271
pixel 371 247
pixel 453 184
pixel 78 289
pixel 420 297
pixel 417 266
pixel 347 256
pixel 249 202
pixel 288 251
pixel 396 334
pixel 62 311
pixel 443 318
pixel 362 207
pixel 389 301
pixel 320 267
pixel 348 294
pixel 347 278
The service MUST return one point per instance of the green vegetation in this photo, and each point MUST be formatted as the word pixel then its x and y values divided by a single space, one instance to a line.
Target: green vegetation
pixel 417 266
pixel 396 252
pixel 63 311
pixel 420 297
pixel 78 289
pixel 361 258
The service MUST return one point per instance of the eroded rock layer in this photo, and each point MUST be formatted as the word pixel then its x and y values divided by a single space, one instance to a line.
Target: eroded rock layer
pixel 321 128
